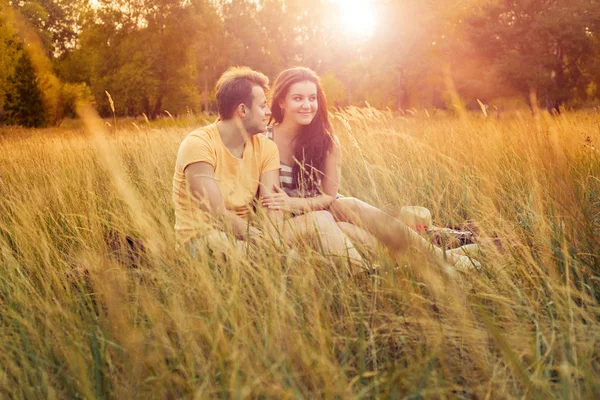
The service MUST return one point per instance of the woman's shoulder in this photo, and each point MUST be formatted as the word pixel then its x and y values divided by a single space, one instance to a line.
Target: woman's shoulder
pixel 335 140
pixel 269 131
pixel 336 147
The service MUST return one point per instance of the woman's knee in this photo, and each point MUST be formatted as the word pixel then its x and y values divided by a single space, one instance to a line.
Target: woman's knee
pixel 322 218
pixel 344 208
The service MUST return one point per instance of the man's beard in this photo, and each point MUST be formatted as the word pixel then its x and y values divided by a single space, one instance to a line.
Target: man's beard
pixel 254 130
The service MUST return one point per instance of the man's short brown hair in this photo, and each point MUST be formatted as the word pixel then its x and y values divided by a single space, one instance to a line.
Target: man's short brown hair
pixel 235 87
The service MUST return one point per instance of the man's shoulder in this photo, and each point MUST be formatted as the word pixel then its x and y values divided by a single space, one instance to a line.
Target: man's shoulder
pixel 260 140
pixel 206 131
pixel 202 136
pixel 199 141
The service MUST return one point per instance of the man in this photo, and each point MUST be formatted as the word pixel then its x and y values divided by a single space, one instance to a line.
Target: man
pixel 222 167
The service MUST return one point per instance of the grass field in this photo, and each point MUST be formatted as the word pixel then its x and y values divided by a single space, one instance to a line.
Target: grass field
pixel 84 316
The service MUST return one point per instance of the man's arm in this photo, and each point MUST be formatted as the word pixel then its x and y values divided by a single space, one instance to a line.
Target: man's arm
pixel 268 181
pixel 204 188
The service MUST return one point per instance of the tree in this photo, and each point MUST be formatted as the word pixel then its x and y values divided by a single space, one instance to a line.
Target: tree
pixel 296 32
pixel 541 45
pixel 211 48
pixel 28 75
pixel 24 103
pixel 337 93
pixel 9 54
pixel 57 22
pixel 142 53
pixel 399 66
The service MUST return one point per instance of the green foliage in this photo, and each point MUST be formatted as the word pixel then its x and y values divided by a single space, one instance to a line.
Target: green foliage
pixel 31 96
pixel 9 53
pixel 57 22
pixel 542 46
pixel 70 95
pixel 74 66
pixel 147 68
pixel 592 90
pixel 337 92
pixel 23 103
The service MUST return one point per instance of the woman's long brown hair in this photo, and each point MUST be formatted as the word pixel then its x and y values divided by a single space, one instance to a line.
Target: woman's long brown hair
pixel 314 142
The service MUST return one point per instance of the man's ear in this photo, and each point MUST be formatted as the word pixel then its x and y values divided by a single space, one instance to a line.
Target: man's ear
pixel 242 110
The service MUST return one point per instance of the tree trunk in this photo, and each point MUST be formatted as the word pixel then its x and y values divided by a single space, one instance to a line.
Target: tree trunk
pixel 533 102
pixel 206 89
pixel 146 106
pixel 560 87
pixel 402 95
pixel 157 108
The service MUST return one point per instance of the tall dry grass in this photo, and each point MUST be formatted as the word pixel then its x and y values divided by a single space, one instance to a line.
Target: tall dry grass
pixel 87 315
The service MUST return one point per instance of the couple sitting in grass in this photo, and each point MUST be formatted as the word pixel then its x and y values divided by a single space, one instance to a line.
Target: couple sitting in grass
pixel 286 159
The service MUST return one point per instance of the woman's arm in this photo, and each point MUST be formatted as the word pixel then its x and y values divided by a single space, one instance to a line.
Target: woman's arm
pixel 330 183
pixel 333 170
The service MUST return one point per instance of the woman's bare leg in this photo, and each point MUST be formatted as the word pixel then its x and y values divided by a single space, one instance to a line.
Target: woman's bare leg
pixel 390 231
pixel 321 224
pixel 359 236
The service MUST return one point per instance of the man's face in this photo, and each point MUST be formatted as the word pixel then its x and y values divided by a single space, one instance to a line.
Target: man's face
pixel 258 115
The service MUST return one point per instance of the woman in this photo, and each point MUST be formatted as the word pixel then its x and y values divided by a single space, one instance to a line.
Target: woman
pixel 311 160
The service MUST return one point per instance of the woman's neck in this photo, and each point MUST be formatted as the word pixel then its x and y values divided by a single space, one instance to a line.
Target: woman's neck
pixel 288 129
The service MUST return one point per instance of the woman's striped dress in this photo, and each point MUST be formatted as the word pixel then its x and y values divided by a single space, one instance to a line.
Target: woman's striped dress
pixel 286 177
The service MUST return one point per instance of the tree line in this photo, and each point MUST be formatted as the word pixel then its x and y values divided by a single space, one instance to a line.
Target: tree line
pixel 154 56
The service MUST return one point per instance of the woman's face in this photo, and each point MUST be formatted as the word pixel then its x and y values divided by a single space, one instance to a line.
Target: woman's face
pixel 300 104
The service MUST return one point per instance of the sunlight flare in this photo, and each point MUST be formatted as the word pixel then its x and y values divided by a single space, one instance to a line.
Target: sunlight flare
pixel 357 17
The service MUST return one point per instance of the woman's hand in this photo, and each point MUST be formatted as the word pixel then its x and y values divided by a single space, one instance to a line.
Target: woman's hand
pixel 278 200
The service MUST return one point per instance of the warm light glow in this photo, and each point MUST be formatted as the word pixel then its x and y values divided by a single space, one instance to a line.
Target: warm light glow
pixel 357 17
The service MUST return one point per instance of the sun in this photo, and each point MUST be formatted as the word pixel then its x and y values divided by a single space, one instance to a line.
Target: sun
pixel 357 17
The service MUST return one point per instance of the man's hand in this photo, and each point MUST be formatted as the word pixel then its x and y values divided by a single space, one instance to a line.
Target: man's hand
pixel 254 235
pixel 278 200
pixel 204 188
pixel 269 185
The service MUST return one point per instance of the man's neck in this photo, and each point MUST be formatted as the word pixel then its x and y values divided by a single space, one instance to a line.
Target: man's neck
pixel 232 136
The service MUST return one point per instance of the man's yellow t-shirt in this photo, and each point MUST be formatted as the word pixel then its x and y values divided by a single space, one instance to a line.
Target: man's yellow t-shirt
pixel 237 178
